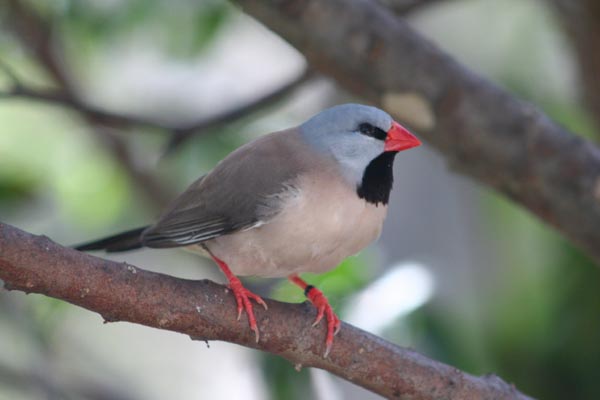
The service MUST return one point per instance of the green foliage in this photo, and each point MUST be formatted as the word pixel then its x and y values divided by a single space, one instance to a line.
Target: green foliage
pixel 563 352
pixel 182 28
pixel 59 163
pixel 15 190
pixel 538 321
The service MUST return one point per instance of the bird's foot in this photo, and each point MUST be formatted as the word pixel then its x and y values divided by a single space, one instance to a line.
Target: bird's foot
pixel 318 299
pixel 243 297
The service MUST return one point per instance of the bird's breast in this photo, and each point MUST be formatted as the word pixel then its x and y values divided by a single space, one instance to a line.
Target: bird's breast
pixel 320 224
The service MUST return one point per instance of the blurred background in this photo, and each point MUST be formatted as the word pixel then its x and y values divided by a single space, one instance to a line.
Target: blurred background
pixel 167 88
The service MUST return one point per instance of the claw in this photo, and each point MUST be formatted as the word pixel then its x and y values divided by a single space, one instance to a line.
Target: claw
pixel 242 296
pixel 327 349
pixel 258 299
pixel 324 309
pixel 318 299
pixel 320 313
pixel 338 327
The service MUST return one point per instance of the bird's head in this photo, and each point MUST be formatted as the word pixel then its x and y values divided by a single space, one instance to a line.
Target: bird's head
pixel 356 135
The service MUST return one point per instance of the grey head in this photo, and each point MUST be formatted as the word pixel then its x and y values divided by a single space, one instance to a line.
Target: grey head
pixel 353 134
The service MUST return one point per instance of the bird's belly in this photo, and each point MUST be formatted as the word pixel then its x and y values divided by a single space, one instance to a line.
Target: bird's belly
pixel 313 234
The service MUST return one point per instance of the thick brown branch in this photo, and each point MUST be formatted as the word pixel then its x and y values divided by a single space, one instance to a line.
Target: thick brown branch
pixel 482 130
pixel 204 310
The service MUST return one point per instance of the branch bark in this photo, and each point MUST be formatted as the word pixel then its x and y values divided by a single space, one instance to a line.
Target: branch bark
pixel 206 311
pixel 482 130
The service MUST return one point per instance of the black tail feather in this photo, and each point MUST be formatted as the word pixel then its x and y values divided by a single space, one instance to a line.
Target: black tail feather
pixel 124 241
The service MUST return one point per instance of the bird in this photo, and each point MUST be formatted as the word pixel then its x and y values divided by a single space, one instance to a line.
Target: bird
pixel 297 200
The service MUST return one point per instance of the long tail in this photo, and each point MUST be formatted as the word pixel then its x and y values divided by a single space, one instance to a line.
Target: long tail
pixel 124 241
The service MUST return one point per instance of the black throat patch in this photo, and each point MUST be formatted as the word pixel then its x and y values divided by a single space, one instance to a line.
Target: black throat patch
pixel 377 180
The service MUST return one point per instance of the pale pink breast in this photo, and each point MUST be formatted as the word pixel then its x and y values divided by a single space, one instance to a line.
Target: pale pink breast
pixel 323 223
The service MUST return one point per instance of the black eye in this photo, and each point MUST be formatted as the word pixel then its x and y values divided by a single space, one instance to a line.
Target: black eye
pixel 373 131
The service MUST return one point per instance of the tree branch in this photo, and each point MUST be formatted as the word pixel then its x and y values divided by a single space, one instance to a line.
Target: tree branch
pixel 482 130
pixel 206 311
pixel 32 30
pixel 60 98
pixel 404 7
pixel 180 132
pixel 36 35
pixel 183 133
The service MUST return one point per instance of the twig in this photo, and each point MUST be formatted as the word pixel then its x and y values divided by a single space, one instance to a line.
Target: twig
pixel 481 129
pixel 100 122
pixel 180 133
pixel 12 76
pixel 185 132
pixel 36 35
pixel 18 89
pixel 404 7
pixel 206 311
pixel 61 98
pixel 32 30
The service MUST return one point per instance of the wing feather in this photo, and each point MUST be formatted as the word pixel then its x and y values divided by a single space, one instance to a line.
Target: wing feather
pixel 245 190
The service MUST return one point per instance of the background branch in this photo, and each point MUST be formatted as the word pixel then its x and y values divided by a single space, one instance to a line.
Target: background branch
pixel 206 311
pixel 580 20
pixel 37 36
pixel 403 7
pixel 482 130
pixel 63 99
pixel 188 130
pixel 180 133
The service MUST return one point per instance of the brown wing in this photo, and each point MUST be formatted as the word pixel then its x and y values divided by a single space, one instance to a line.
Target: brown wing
pixel 244 190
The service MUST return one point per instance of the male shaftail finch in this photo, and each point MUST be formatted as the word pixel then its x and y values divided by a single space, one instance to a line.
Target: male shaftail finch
pixel 298 200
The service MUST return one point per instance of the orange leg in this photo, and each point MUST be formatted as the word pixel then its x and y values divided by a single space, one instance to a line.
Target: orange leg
pixel 323 309
pixel 242 295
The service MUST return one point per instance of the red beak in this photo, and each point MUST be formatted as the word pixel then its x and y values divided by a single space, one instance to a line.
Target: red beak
pixel 399 138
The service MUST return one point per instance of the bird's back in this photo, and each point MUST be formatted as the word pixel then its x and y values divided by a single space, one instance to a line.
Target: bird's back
pixel 320 221
pixel 244 190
